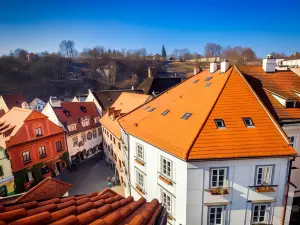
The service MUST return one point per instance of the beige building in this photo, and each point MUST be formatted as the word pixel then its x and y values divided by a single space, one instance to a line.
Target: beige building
pixel 112 132
pixel 7 184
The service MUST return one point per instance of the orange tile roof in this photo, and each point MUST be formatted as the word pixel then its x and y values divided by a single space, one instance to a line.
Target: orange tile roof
pixel 281 83
pixel 125 103
pixel 106 208
pixel 228 97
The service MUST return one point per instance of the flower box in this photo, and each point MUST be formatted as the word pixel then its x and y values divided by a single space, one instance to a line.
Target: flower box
pixel 165 180
pixel 139 162
pixel 264 189
pixel 140 190
pixel 219 191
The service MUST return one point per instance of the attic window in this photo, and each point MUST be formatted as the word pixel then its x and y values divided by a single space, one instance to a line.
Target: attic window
pixel 248 122
pixel 220 123
pixel 151 110
pixel 165 112
pixel 207 78
pixel 207 84
pixel 83 109
pixel 195 81
pixel 67 112
pixel 291 104
pixel 146 107
pixel 186 116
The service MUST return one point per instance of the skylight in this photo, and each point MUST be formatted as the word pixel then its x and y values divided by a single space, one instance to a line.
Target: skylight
pixel 195 81
pixel 207 78
pixel 220 123
pixel 151 110
pixel 186 116
pixel 165 112
pixel 290 104
pixel 207 84
pixel 248 122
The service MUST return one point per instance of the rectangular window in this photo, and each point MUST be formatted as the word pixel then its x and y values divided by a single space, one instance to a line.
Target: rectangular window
pixel 58 146
pixel 38 132
pixel 166 200
pixel 140 179
pixel 259 213
pixel 248 122
pixel 94 133
pixel 75 141
pixel 114 141
pixel 99 131
pixel 83 137
pixel 186 116
pixel 42 151
pixel 218 177
pixel 216 215
pixel 151 110
pixel 85 123
pixel 45 170
pixel 264 175
pixel 293 141
pixel 166 167
pixel 26 157
pixel 220 123
pixel 1 171
pixel 140 152
pixel 119 145
pixel 110 137
pixel 165 112
pixel 29 177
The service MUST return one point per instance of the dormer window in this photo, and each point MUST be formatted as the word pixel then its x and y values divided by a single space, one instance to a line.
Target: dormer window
pixel 290 104
pixel 66 112
pixel 85 123
pixel 96 119
pixel 248 122
pixel 151 110
pixel 220 123
pixel 186 116
pixel 72 127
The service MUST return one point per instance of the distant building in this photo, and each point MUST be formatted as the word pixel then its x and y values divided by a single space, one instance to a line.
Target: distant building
pixel 31 57
pixel 210 151
pixel 37 104
pixel 206 59
pixel 111 131
pixel 80 120
pixel 292 61
pixel 34 144
pixel 79 98
pixel 105 98
pixel 8 101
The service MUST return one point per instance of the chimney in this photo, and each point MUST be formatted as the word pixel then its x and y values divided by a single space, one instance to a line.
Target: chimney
pixel 213 67
pixel 269 64
pixel 132 87
pixel 150 71
pixel 224 66
pixel 196 70
pixel 54 101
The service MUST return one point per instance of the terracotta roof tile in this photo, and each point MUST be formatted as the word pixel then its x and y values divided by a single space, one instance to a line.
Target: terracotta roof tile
pixel 225 96
pixel 114 209
pixel 281 83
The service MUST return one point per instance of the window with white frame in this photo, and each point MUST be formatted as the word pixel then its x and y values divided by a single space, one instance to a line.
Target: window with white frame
pixel 85 123
pixel 38 132
pixel 75 141
pixel 140 152
pixel 166 167
pixel 140 179
pixel 83 137
pixel 166 200
pixel 72 127
pixel 218 177
pixel 264 175
pixel 215 215
pixel 293 141
pixel 260 213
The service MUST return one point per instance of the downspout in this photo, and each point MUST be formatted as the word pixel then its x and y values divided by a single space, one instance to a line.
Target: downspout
pixel 287 190
pixel 128 165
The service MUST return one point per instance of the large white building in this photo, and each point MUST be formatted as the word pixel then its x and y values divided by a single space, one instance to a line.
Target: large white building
pixel 81 121
pixel 211 152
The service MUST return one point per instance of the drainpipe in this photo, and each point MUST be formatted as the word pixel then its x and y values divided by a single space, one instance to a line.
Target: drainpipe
pixel 128 166
pixel 287 190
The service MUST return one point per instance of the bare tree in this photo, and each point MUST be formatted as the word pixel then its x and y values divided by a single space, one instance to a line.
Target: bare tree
pixel 212 50
pixel 278 55
pixel 248 54
pixel 67 48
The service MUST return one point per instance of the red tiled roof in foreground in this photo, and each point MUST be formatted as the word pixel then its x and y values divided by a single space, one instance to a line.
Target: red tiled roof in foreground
pixel 105 208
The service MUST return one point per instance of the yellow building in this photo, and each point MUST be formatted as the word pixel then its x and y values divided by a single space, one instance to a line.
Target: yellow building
pixel 7 183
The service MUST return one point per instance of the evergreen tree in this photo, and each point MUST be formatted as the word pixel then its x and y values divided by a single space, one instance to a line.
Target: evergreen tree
pixel 163 52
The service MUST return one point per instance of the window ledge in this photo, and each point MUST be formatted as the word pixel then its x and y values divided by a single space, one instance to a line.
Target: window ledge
pixel 165 180
pixel 140 190
pixel 27 162
pixel 219 191
pixel 139 162
pixel 43 156
pixel 59 150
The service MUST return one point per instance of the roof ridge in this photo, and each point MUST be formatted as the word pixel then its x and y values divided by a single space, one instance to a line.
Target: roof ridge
pixel 264 107
pixel 203 124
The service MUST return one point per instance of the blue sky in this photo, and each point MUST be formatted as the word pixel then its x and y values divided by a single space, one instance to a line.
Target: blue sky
pixel 39 25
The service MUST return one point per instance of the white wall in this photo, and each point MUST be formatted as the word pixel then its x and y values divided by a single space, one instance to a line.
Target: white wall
pixel 91 98
pixel 153 185
pixel 48 111
pixel 294 130
pixel 241 175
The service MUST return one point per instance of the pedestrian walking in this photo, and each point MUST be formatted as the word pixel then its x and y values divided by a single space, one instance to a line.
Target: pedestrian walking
pixel 108 184
pixel 113 179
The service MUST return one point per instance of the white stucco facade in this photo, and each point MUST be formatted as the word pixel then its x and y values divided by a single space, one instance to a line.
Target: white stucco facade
pixel 91 98
pixel 37 104
pixel 189 186
pixel 291 63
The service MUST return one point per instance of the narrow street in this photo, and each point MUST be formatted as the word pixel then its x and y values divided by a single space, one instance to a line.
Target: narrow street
pixel 91 176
